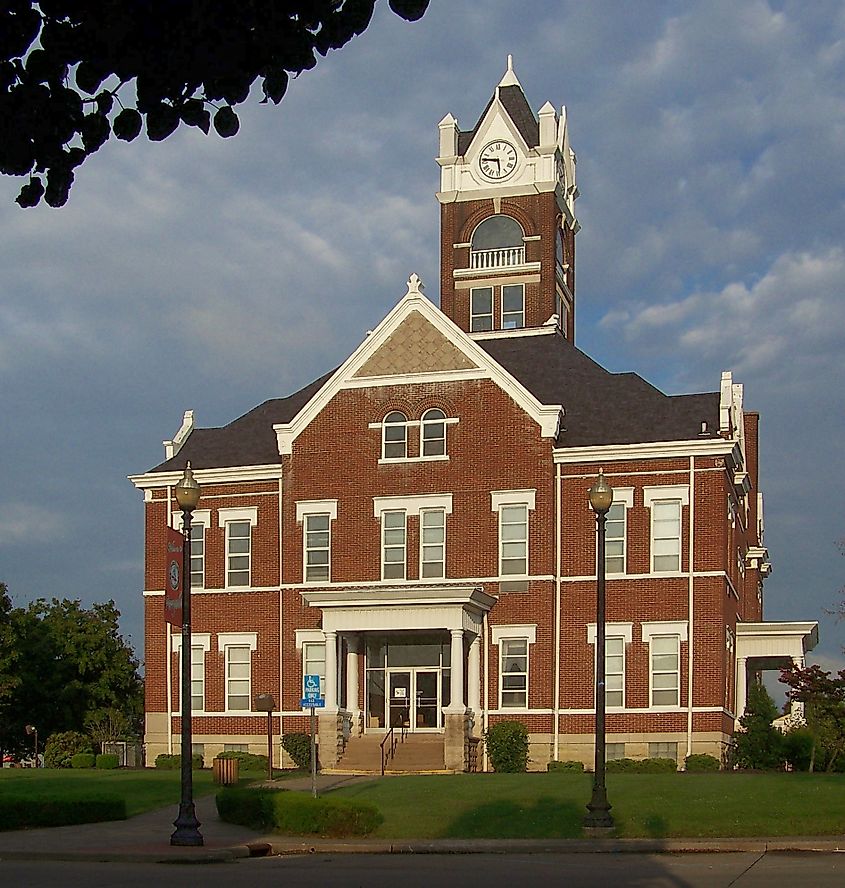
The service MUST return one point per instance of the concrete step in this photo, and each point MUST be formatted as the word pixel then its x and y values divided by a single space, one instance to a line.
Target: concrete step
pixel 418 753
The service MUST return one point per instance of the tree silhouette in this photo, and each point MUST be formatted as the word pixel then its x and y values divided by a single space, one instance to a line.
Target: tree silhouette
pixel 74 72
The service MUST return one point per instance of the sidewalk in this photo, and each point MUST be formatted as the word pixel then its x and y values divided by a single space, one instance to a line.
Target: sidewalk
pixel 146 838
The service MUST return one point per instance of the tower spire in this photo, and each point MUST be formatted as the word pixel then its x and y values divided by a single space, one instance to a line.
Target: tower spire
pixel 510 78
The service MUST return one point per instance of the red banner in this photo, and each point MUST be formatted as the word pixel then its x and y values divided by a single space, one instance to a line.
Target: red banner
pixel 174 566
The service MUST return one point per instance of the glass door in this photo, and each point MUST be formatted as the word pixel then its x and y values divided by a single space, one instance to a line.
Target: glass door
pixel 426 701
pixel 400 699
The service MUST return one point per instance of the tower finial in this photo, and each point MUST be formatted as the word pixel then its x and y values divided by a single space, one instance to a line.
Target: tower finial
pixel 510 76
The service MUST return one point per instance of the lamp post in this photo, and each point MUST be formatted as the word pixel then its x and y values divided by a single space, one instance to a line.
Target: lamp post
pixel 187 831
pixel 601 499
pixel 32 730
pixel 266 703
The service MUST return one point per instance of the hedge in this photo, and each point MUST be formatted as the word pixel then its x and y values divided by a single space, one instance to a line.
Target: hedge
pixel 642 766
pixel 61 747
pixel 22 812
pixel 108 761
pixel 249 760
pixel 507 746
pixel 565 766
pixel 174 762
pixel 83 760
pixel 700 763
pixel 298 747
pixel 296 813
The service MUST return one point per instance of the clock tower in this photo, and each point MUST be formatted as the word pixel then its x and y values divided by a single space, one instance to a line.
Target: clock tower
pixel 507 210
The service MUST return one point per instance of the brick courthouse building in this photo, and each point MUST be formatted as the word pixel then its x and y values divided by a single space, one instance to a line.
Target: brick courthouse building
pixel 414 526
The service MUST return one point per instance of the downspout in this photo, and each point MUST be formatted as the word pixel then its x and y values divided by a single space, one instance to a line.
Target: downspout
pixel 691 605
pixel 281 629
pixel 558 522
pixel 168 659
pixel 486 718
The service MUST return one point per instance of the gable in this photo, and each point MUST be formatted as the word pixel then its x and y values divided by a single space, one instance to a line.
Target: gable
pixel 415 347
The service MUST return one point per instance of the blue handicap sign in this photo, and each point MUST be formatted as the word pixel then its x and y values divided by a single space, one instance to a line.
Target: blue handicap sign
pixel 315 702
pixel 312 688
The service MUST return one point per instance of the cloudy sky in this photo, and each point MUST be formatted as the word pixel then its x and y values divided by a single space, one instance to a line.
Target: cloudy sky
pixel 209 274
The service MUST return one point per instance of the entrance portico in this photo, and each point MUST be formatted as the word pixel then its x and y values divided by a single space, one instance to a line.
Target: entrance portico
pixel 418 648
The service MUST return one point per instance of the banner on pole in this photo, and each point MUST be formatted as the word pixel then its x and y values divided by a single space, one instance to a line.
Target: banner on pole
pixel 174 567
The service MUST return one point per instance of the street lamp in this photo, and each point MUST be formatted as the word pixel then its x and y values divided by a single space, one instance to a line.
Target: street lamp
pixel 32 730
pixel 601 499
pixel 266 703
pixel 187 831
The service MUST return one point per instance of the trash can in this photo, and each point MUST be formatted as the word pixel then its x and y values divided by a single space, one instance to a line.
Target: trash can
pixel 226 771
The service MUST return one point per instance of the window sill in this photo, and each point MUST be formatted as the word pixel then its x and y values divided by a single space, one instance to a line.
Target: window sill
pixel 383 461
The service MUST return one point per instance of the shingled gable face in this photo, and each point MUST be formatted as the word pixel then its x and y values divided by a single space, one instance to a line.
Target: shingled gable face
pixel 417 524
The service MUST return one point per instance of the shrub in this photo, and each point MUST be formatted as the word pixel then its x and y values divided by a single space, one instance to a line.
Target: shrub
pixel 759 745
pixel 701 762
pixel 642 766
pixel 82 760
pixel 174 762
pixel 249 761
pixel 23 812
pixel 507 746
pixel 565 766
pixel 798 748
pixel 298 747
pixel 107 761
pixel 61 748
pixel 297 814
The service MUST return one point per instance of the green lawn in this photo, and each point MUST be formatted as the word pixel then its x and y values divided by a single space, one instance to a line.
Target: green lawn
pixel 143 790
pixel 644 805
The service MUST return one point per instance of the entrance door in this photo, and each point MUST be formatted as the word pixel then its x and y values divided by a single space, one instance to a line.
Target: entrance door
pixel 414 699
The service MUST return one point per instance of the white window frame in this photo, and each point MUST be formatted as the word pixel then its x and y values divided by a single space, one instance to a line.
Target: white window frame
pixel 388 423
pixel 678 496
pixel 425 426
pixel 678 632
pixel 308 647
pixel 397 546
pixel 305 510
pixel 226 642
pixel 521 312
pixel 200 641
pixel 625 632
pixel 474 315
pixel 506 499
pixel 624 497
pixel 501 635
pixel 424 544
pixel 227 517
pixel 200 520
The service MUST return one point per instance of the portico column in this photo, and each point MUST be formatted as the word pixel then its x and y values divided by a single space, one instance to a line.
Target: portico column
pixel 456 701
pixel 474 676
pixel 796 707
pixel 741 686
pixel 331 671
pixel 352 675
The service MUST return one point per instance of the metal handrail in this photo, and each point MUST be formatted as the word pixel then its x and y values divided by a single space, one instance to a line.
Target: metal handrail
pixel 386 756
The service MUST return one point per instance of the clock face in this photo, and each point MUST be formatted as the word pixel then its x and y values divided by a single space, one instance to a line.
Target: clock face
pixel 497 160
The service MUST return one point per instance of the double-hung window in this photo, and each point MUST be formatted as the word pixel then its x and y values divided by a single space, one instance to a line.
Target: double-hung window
pixel 513 540
pixel 514 644
pixel 432 543
pixel 433 433
pixel 395 436
pixel 238 553
pixel 197 556
pixel 616 530
pixel 513 306
pixel 666 504
pixel 314 663
pixel 617 636
pixel 200 643
pixel 664 641
pixel 317 547
pixel 480 309
pixel 394 549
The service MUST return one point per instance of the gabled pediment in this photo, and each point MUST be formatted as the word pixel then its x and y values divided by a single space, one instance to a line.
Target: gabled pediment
pixel 417 343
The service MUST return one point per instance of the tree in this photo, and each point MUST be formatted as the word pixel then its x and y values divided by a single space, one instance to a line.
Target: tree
pixel 823 697
pixel 759 744
pixel 70 662
pixel 68 68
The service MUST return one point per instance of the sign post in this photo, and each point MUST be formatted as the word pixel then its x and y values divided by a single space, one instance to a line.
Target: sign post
pixel 313 699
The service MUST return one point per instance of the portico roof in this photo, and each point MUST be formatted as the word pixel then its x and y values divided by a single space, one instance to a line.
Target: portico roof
pixel 777 643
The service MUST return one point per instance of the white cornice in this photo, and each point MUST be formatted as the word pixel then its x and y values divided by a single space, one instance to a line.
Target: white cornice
pixel 227 475
pixel 547 416
pixel 645 450
pixel 551 329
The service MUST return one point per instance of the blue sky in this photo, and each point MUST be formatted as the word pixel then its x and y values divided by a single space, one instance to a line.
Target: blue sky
pixel 206 274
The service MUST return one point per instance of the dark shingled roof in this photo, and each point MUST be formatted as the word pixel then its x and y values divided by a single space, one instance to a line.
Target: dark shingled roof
pixel 515 103
pixel 246 441
pixel 600 407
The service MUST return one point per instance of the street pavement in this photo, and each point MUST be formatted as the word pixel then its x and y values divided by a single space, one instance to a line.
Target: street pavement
pixel 146 838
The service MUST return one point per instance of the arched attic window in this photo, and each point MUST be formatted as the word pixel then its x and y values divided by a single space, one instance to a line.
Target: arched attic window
pixel 433 434
pixel 497 242
pixel 395 436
